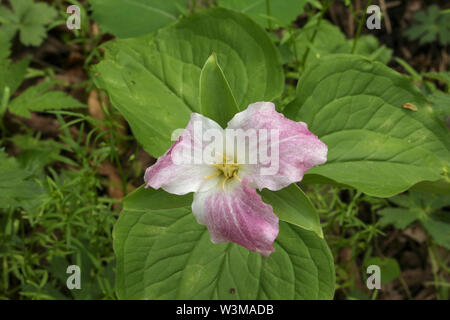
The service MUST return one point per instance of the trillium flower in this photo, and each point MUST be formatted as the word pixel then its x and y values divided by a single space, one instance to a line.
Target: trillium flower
pixel 225 197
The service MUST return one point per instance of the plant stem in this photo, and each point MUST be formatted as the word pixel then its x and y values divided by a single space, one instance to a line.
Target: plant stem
pixel 434 268
pixel 293 45
pixel 405 287
pixel 360 24
pixel 322 12
pixel 194 5
pixel 269 21
pixel 439 259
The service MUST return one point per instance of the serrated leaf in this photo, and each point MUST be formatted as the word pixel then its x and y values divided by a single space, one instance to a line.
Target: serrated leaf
pixel 438 226
pixel 375 145
pixel 429 25
pixel 38 98
pixel 154 81
pixel 36 154
pixel 424 207
pixel 398 217
pixel 15 185
pixel 162 253
pixel 133 18
pixel 29 19
pixel 12 74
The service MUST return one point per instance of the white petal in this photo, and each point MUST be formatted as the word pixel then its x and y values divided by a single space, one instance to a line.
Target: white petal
pixel 181 169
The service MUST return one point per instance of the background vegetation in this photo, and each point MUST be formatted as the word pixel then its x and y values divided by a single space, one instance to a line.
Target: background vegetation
pixel 67 156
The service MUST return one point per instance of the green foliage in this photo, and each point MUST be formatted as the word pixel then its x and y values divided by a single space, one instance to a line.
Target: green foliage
pixel 154 80
pixel 277 13
pixel 35 98
pixel 163 253
pixel 440 102
pixel 40 98
pixel 389 268
pixel 443 76
pixel 16 184
pixel 423 207
pixel 216 99
pixel 431 25
pixel 29 19
pixel 66 222
pixel 313 42
pixel 293 206
pixel 55 209
pixel 133 18
pixel 375 145
pixel 345 212
pixel 12 74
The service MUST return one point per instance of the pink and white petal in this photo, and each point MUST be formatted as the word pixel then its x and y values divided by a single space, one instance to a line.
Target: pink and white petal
pixel 294 152
pixel 239 215
pixel 181 169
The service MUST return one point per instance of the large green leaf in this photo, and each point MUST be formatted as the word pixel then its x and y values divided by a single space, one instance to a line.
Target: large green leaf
pixel 163 253
pixel 154 81
pixel 293 206
pixel 440 102
pixel 355 106
pixel 216 99
pixel 279 12
pixel 133 18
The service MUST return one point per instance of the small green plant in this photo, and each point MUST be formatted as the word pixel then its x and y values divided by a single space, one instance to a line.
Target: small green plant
pixel 50 220
pixel 431 25
pixel 15 183
pixel 35 98
pixel 422 207
pixel 29 19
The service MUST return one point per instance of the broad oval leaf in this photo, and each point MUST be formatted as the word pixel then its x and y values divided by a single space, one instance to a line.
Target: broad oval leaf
pixel 216 99
pixel 163 253
pixel 375 144
pixel 154 80
pixel 133 18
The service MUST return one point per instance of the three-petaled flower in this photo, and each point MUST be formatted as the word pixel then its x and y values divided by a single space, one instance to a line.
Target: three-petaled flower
pixel 225 198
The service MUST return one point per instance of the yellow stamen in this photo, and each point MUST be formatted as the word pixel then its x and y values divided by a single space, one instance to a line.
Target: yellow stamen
pixel 224 158
pixel 218 173
pixel 228 170
pixel 223 183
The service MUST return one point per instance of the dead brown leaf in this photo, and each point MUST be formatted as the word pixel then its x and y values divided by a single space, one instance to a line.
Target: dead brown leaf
pixel 416 233
pixel 115 183
pixel 95 107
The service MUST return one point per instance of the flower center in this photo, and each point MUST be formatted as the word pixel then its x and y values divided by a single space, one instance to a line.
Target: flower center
pixel 227 171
